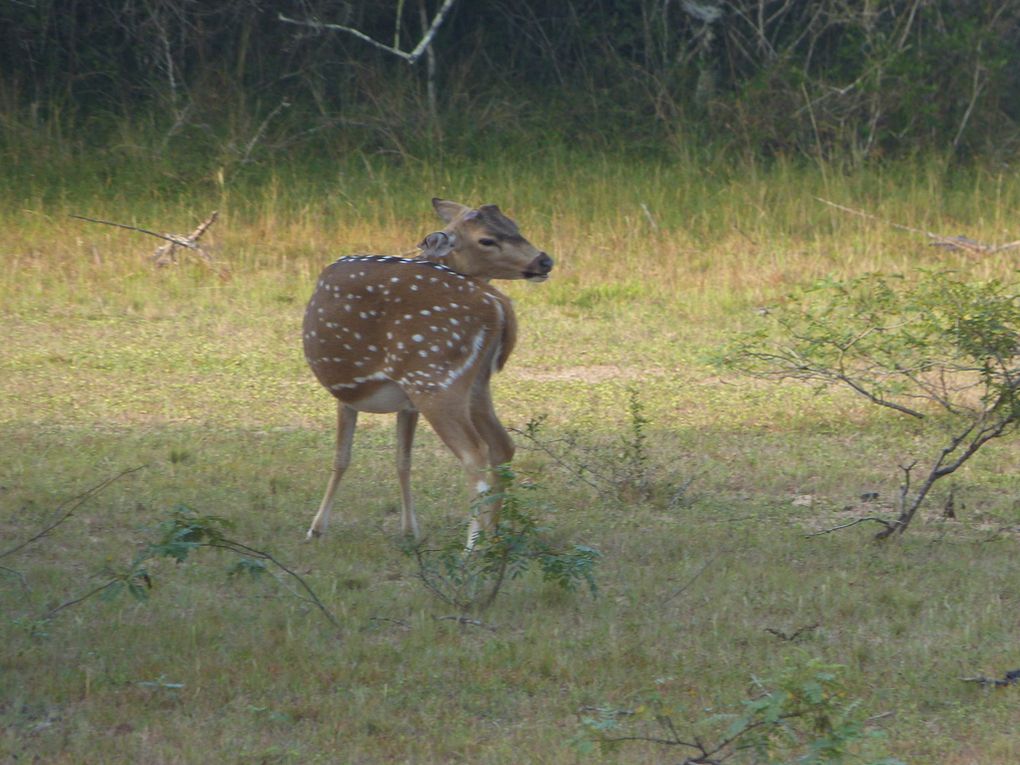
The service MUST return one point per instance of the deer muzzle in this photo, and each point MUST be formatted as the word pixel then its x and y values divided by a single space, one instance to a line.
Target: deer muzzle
pixel 538 269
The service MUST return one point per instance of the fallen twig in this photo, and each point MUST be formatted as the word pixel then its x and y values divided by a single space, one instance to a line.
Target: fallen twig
pixel 466 620
pixel 891 525
pixel 166 254
pixel 1010 678
pixel 792 636
pixel 390 620
pixel 947 242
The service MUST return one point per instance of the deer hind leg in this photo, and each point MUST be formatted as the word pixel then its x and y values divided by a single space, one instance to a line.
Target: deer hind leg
pixel 453 425
pixel 346 419
pixel 501 446
pixel 407 421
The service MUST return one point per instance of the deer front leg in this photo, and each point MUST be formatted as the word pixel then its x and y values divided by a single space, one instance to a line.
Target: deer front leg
pixel 407 421
pixel 346 419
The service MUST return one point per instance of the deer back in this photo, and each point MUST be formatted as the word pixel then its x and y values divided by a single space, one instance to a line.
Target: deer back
pixel 378 320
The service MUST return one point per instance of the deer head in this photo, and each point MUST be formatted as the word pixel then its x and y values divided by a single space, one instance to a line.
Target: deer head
pixel 483 243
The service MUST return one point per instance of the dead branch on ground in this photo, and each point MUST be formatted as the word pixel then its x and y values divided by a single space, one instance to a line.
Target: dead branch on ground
pixel 888 524
pixel 955 243
pixel 792 637
pixel 166 254
pixel 1010 678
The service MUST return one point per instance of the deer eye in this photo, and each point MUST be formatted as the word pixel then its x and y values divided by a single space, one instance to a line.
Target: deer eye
pixel 486 242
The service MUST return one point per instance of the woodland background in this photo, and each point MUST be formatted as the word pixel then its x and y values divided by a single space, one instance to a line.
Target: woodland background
pixel 824 78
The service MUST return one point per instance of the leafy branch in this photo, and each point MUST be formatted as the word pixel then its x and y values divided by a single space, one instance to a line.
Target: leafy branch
pixel 471 580
pixel 941 350
pixel 186 531
pixel 181 534
pixel 800 716
pixel 622 472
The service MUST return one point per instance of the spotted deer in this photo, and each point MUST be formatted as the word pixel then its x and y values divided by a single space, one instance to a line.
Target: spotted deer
pixel 423 335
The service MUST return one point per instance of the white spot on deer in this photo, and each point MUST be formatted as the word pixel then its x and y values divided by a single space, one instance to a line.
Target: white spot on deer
pixel 414 287
pixel 395 279
pixel 425 312
pixel 372 348
pixel 454 322
pixel 417 338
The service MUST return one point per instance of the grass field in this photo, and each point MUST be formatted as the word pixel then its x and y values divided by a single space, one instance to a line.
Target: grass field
pixel 109 363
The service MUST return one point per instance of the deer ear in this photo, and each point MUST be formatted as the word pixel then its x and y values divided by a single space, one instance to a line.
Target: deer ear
pixel 448 210
pixel 437 244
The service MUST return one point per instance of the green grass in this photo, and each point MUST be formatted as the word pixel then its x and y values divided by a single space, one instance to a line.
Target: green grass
pixel 108 363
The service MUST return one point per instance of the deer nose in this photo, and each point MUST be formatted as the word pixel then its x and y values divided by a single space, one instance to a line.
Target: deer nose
pixel 543 263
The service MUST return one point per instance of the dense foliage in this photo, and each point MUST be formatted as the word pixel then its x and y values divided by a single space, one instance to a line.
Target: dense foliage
pixel 821 77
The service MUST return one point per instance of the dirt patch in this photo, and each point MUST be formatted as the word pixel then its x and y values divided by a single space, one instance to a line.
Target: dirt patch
pixel 594 373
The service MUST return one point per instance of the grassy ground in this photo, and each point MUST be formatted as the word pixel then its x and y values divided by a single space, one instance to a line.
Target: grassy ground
pixel 108 363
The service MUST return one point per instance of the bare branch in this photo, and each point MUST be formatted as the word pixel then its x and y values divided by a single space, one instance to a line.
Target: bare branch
pixel 409 56
pixel 68 603
pixel 78 502
pixel 168 237
pixel 242 549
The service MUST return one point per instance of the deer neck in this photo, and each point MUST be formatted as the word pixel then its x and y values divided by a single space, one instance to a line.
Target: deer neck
pixel 444 259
